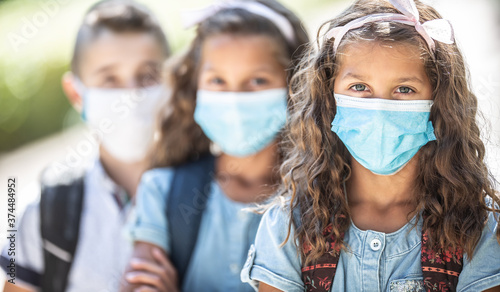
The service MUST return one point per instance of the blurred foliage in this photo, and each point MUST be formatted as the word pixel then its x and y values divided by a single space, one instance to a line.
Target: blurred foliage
pixel 31 106
pixel 40 36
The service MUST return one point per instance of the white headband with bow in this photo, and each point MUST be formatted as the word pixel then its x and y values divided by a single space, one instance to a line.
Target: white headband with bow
pixel 438 29
pixel 195 17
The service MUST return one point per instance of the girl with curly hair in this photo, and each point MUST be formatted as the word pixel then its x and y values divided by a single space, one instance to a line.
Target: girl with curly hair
pixel 385 187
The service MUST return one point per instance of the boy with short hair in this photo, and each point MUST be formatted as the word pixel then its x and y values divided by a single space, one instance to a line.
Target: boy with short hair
pixel 72 238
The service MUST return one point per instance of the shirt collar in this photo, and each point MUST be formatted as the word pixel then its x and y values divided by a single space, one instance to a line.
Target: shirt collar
pixel 100 178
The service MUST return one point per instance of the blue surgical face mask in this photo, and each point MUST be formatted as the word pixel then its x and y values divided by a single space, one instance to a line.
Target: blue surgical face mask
pixel 383 135
pixel 241 123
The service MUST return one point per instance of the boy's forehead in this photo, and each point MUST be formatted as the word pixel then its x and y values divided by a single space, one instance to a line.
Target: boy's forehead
pixel 120 51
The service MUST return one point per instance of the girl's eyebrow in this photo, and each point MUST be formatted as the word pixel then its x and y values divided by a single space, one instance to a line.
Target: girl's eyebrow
pixel 353 75
pixel 265 68
pixel 399 80
pixel 410 79
pixel 150 63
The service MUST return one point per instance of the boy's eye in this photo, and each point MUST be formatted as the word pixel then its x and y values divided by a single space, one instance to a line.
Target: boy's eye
pixel 359 87
pixel 110 81
pixel 404 90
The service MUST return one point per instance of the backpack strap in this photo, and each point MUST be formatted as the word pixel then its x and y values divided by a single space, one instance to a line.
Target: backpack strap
pixel 440 268
pixel 186 204
pixel 319 276
pixel 61 204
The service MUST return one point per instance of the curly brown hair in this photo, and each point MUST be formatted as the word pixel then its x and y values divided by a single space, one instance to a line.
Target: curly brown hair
pixel 180 138
pixel 453 181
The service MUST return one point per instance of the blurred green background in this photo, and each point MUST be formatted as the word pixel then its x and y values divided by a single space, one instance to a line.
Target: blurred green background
pixel 37 41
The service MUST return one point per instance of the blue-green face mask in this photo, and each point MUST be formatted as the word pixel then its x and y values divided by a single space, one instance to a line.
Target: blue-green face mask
pixel 241 123
pixel 383 135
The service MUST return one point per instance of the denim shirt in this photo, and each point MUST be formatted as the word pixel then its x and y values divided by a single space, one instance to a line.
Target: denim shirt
pixel 225 235
pixel 375 261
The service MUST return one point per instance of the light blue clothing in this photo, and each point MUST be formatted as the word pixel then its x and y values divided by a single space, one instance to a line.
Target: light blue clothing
pixel 392 265
pixel 226 233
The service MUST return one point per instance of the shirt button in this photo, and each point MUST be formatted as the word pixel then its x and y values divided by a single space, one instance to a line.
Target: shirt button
pixel 375 244
pixel 234 268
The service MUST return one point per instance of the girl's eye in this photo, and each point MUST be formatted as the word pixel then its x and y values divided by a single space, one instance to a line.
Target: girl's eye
pixel 148 79
pixel 404 90
pixel 217 81
pixel 359 87
pixel 259 81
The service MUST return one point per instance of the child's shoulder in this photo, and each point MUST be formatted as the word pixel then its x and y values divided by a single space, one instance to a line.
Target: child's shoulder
pixel 278 212
pixel 493 217
pixel 481 270
pixel 490 202
pixel 160 177
pixel 189 173
pixel 158 173
pixel 201 167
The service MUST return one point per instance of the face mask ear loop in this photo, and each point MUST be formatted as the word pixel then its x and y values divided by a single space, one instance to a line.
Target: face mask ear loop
pixel 430 132
pixel 81 90
pixel 79 86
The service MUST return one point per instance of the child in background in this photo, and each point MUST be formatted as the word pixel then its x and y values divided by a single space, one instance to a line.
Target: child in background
pixel 72 238
pixel 229 91
pixel 385 185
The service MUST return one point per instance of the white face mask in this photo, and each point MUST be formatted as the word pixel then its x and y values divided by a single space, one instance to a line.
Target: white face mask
pixel 124 117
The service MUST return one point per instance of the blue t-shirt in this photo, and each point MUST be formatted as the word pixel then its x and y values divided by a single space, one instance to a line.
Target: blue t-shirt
pixel 226 232
pixel 392 264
